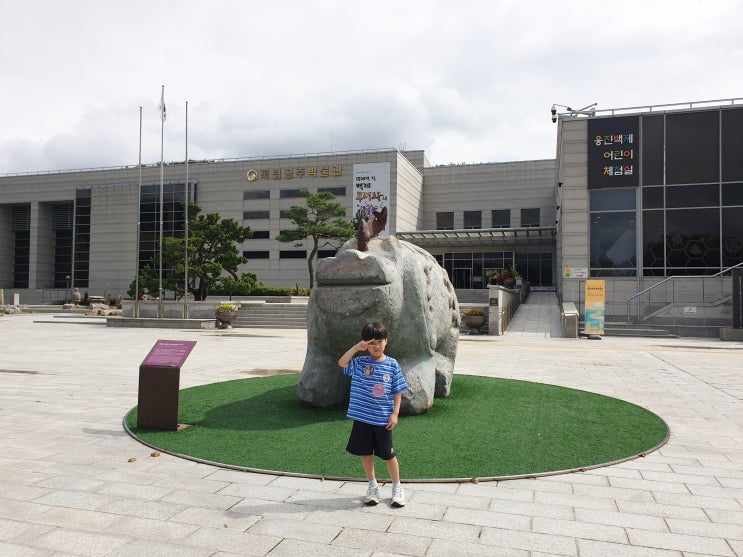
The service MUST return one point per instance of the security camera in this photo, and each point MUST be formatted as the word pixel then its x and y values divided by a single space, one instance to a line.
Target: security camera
pixel 553 110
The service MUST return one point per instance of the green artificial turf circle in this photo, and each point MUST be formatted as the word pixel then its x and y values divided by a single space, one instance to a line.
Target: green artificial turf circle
pixel 488 428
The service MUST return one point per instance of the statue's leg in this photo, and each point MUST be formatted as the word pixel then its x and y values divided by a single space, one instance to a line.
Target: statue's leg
pixel 322 382
pixel 421 380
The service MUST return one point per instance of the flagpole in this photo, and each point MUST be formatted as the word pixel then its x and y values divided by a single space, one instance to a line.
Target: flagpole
pixel 162 165
pixel 139 222
pixel 185 216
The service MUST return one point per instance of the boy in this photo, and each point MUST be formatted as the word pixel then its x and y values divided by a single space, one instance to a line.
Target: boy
pixel 377 384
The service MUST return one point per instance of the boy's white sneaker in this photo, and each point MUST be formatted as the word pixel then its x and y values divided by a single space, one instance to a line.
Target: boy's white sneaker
pixel 398 496
pixel 373 495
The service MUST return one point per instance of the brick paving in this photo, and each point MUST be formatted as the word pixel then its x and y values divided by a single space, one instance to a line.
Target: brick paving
pixel 67 486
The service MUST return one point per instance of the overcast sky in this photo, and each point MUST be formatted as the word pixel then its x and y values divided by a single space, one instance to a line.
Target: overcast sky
pixel 467 81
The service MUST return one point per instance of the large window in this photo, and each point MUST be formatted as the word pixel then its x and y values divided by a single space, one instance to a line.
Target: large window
pixel 613 233
pixel 173 215
pixel 62 221
pixel 21 224
pixel 468 270
pixel 691 198
pixel 81 271
pixel 692 194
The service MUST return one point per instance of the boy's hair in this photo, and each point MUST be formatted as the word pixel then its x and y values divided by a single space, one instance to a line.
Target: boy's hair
pixel 374 330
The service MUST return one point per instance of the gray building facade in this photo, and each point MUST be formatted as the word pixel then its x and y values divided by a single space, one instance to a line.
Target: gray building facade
pixel 91 229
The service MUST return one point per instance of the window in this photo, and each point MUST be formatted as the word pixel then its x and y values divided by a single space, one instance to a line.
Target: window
pixel 444 221
pixel 286 194
pixel 62 220
pixel 257 194
pixel 326 253
pixel 693 147
pixel 338 192
pixel 530 217
pixel 251 215
pixel 81 259
pixel 256 254
pixel 21 225
pixel 293 254
pixel 261 235
pixel 473 219
pixel 500 218
pixel 613 233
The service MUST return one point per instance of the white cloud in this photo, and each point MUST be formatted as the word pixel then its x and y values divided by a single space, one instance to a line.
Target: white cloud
pixel 468 81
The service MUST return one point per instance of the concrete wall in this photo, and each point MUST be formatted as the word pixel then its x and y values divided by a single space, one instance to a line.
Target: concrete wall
pixel 484 187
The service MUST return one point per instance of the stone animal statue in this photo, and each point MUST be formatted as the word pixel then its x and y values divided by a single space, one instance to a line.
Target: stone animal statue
pixel 398 284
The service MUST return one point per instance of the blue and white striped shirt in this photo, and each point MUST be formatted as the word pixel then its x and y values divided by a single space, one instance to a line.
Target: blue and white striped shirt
pixel 373 388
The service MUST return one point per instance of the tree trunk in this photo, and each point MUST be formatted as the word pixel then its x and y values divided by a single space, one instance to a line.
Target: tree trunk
pixel 311 263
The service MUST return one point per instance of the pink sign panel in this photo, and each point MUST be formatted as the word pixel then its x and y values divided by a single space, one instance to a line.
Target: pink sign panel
pixel 169 353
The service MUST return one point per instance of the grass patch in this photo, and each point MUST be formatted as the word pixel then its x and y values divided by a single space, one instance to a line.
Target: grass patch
pixel 487 427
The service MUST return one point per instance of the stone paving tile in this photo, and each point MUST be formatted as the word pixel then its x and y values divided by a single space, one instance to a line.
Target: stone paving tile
pixel 150 549
pixel 76 519
pixel 680 542
pixel 719 503
pixel 567 500
pixel 487 518
pixel 135 491
pixel 593 548
pixel 78 543
pixel 449 499
pixel 74 499
pixel 534 509
pixel 295 529
pixel 293 548
pixel 199 499
pixel 576 529
pixel 21 510
pixel 706 528
pixel 351 518
pixel 14 550
pixel 529 541
pixel 224 539
pixel 150 529
pixel 448 548
pixel 656 509
pixel 623 519
pixel 22 492
pixel 403 544
pixel 215 518
pixel 144 509
pixel 435 529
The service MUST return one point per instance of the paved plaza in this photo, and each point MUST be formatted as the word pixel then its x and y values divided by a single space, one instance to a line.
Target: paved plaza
pixel 72 482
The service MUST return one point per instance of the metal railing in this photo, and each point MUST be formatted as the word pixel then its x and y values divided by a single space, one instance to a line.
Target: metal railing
pixel 700 289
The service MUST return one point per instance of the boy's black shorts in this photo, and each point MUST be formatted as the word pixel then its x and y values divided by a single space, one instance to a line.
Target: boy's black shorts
pixel 369 439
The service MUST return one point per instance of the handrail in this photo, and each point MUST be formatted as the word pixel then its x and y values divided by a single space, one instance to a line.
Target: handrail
pixel 638 294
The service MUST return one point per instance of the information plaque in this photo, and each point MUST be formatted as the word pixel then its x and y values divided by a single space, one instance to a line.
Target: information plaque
pixel 159 384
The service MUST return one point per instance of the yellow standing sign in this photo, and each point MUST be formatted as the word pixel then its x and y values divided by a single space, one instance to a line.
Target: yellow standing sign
pixel 593 319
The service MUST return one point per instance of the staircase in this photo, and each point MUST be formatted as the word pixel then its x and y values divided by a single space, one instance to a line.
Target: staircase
pixel 615 329
pixel 272 315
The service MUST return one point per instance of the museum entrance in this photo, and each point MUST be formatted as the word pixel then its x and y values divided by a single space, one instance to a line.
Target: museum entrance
pixel 468 270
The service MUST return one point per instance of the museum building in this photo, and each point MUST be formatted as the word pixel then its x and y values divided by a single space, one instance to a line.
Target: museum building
pixel 79 229
pixel 634 196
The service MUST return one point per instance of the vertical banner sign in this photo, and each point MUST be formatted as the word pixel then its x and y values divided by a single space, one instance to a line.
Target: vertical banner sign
pixel 593 319
pixel 613 152
pixel 371 190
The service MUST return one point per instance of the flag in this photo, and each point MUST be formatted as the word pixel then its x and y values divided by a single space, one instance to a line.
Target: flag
pixel 162 104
